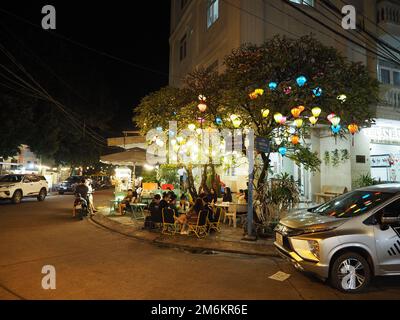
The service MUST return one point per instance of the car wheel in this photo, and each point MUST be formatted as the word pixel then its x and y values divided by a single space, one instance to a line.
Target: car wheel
pixel 350 273
pixel 42 194
pixel 17 197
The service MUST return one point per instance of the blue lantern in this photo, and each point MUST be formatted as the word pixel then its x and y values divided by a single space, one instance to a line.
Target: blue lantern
pixel 218 121
pixel 317 92
pixel 282 151
pixel 301 81
pixel 336 129
pixel 272 85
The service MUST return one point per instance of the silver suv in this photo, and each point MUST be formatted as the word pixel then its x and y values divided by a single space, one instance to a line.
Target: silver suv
pixel 347 240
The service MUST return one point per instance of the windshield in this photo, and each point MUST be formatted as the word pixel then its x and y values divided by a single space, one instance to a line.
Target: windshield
pixel 352 204
pixel 11 178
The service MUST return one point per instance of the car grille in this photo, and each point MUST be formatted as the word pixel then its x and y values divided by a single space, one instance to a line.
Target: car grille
pixel 286 231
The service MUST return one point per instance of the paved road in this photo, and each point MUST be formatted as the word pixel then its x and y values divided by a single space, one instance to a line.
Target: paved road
pixel 94 263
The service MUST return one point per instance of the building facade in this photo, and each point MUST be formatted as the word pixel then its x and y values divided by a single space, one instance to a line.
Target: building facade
pixel 203 32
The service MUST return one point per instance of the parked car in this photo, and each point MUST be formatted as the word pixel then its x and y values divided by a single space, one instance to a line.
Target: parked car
pixel 69 184
pixel 347 240
pixel 17 186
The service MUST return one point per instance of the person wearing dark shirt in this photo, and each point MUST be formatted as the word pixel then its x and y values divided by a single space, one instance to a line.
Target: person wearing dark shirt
pixel 212 197
pixel 227 195
pixel 81 190
pixel 165 200
pixel 155 209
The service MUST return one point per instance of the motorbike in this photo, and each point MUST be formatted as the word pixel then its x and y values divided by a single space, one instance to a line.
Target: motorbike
pixel 82 206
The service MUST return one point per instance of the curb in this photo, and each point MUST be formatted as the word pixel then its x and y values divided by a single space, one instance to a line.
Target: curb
pixel 155 239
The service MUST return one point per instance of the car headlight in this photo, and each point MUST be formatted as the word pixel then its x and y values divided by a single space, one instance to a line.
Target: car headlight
pixel 307 249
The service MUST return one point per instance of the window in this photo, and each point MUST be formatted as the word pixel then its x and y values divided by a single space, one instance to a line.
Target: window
pixel 396 78
pixel 385 76
pixel 183 48
pixel 212 12
pixel 305 2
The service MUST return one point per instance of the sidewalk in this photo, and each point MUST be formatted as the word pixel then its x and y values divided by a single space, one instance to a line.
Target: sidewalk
pixel 229 240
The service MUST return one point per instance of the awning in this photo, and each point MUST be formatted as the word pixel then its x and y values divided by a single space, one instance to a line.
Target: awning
pixel 130 157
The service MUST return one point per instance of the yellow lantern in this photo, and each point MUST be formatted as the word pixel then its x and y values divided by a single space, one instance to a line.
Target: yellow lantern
pixel 192 127
pixel 253 96
pixel 316 111
pixel 298 122
pixel 265 113
pixel 202 107
pixel 278 117
pixel 259 92
pixel 313 120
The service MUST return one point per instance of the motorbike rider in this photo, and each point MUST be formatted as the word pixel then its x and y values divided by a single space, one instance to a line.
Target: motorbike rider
pixel 81 191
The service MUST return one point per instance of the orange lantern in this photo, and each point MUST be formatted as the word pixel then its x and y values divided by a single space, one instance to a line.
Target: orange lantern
pixel 296 112
pixel 353 128
pixel 295 139
pixel 301 108
pixel 253 95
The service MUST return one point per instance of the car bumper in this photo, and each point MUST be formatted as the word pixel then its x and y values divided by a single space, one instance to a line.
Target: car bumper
pixel 299 263
pixel 5 195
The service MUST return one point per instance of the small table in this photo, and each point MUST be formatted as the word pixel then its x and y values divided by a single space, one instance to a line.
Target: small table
pixel 138 208
pixel 113 205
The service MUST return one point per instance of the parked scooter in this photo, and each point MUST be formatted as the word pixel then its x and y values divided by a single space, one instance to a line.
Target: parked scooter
pixel 82 206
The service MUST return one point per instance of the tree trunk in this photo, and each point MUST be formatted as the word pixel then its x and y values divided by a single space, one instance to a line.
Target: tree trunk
pixel 191 186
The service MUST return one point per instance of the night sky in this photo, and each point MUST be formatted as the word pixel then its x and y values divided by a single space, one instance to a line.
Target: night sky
pixel 135 31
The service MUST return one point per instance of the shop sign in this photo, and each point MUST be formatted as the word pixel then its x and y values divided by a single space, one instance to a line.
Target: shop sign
pixel 383 135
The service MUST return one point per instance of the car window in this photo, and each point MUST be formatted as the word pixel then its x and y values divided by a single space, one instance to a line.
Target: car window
pixel 352 204
pixel 27 179
pixel 11 178
pixel 392 209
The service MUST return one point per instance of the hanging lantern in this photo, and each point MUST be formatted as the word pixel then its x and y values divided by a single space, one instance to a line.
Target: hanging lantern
pixel 295 112
pixel 295 139
pixel 202 107
pixel 313 120
pixel 253 96
pixel 278 141
pixel 335 121
pixel 272 85
pixel 265 113
pixel 283 120
pixel 218 121
pixel 199 131
pixel 236 122
pixel 287 90
pixel 192 127
pixel 301 108
pixel 342 98
pixel 259 92
pixel 316 111
pixel 301 81
pixel 282 151
pixel 201 120
pixel 336 129
pixel 299 123
pixel 159 129
pixel 317 92
pixel 278 117
pixel 353 128
pixel 330 117
pixel 202 98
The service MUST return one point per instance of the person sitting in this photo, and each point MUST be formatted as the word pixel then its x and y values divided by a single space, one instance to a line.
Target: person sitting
pixel 212 197
pixel 191 216
pixel 129 198
pixel 82 190
pixel 227 195
pixel 184 203
pixel 155 209
pixel 164 201
pixel 241 197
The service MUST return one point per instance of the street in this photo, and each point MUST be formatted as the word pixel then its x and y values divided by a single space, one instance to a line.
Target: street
pixel 94 263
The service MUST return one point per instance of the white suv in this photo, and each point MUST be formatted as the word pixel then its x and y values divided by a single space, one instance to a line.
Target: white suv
pixel 17 186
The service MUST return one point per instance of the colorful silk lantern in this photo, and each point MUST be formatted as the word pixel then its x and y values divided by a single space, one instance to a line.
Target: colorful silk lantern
pixel 301 108
pixel 259 92
pixel 317 92
pixel 192 127
pixel 283 120
pixel 218 121
pixel 296 112
pixel 278 117
pixel 313 120
pixel 353 128
pixel 299 123
pixel 335 121
pixel 265 113
pixel 316 111
pixel 342 98
pixel 336 129
pixel 301 81
pixel 295 139
pixel 202 98
pixel 287 90
pixel 330 117
pixel 237 122
pixel 253 96
pixel 272 85
pixel 202 107
pixel 282 151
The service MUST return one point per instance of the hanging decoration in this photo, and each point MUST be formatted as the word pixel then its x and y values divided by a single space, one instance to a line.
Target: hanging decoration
pixel 335 121
pixel 202 105
pixel 192 127
pixel 283 120
pixel 313 120
pixel 342 98
pixel 336 129
pixel 295 139
pixel 316 112
pixel 317 92
pixel 353 129
pixel 296 112
pixel 218 121
pixel 272 86
pixel 236 121
pixel 330 117
pixel 282 151
pixel 301 81
pixel 299 123
pixel 278 117
pixel 287 90
pixel 265 113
